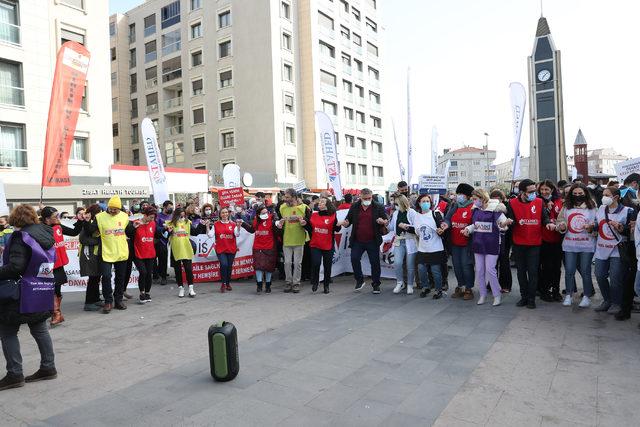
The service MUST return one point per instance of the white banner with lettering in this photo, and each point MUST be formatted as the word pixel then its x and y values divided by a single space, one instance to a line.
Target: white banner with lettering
pixel 518 99
pixel 626 168
pixel 327 140
pixel 154 162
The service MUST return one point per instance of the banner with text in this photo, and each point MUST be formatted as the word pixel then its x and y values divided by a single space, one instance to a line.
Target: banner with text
pixel 626 168
pixel 231 196
pixel 518 99
pixel 154 162
pixel 327 140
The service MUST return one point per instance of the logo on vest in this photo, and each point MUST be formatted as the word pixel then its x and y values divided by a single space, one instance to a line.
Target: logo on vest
pixel 326 221
pixel 533 208
pixel 576 223
pixel 484 227
pixel 605 232
pixel 465 214
pixel 45 270
pixel 528 222
pixel 425 233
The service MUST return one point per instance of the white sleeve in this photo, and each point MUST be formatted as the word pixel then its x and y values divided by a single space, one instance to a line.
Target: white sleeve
pixel 236 231
pixel 212 234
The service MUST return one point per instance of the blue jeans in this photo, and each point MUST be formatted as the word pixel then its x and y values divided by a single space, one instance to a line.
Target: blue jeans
pixel 399 255
pixel 11 346
pixel 226 264
pixel 613 269
pixel 436 271
pixel 373 252
pixel 462 259
pixel 263 274
pixel 578 261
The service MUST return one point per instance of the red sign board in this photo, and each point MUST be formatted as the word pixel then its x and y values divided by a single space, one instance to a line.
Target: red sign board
pixel 231 195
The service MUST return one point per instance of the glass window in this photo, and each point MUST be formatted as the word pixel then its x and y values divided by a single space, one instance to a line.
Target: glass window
pixel 199 145
pixel 114 79
pixel 150 25
pixel 291 166
pixel 363 170
pixel 348 113
pixel 11 87
pixel 114 104
pixel 351 142
pixel 134 108
pixel 288 72
pixel 226 78
pixel 327 78
pixel 9 22
pixel 170 14
pixel 357 40
pixel 112 25
pixel 67 35
pixel 196 58
pixel 135 154
pixel 171 42
pixel 285 10
pixel 327 50
pixel 196 30
pixel 330 108
pixel 224 19
pixel 198 116
pixel 150 52
pixel 132 33
pixel 372 26
pixel 113 53
pixel 134 134
pixel 325 21
pixel 347 86
pixel 228 140
pixel 196 86
pixel 290 135
pixel 115 131
pixel 75 3
pixel 133 83
pixel 13 145
pixel 288 103
pixel 286 41
pixel 226 109
pixel 356 13
pixel 132 58
pixel 196 4
pixel 79 149
pixel 116 155
pixel 344 31
pixel 225 49
pixel 174 151
pixel 372 49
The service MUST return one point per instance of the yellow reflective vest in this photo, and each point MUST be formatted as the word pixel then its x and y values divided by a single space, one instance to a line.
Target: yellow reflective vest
pixel 114 239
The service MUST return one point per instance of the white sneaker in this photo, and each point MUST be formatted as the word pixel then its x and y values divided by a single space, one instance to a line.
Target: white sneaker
pixel 410 290
pixel 181 292
pixel 192 293
pixel 585 303
pixel 481 300
pixel 398 288
pixel 567 301
pixel 497 300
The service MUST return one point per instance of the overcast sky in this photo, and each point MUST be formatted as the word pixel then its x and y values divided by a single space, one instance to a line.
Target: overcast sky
pixel 464 53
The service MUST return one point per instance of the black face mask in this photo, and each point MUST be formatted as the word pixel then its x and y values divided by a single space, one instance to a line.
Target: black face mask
pixel 579 199
pixel 169 211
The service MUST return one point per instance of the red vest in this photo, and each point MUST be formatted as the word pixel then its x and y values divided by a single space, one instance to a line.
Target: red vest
pixel 553 236
pixel 225 239
pixel 459 221
pixel 61 251
pixel 143 241
pixel 263 236
pixel 527 227
pixel 322 235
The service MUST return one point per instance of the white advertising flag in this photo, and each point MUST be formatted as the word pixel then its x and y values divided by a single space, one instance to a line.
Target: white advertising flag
pixel 400 166
pixel 4 207
pixel 434 151
pixel 154 162
pixel 518 99
pixel 574 174
pixel 327 140
pixel 409 136
pixel 231 176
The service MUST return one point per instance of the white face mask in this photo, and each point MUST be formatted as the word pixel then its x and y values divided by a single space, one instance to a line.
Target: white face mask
pixel 207 211
pixel 366 202
pixel 591 186
pixel 264 216
pixel 607 201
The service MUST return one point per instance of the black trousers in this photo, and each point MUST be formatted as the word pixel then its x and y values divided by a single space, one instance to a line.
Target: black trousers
pixel 110 294
pixel 504 265
pixel 318 256
pixel 550 269
pixel 127 274
pixel 528 263
pixel 628 283
pixel 188 270
pixel 145 270
pixel 161 255
pixel 307 268
pixel 92 295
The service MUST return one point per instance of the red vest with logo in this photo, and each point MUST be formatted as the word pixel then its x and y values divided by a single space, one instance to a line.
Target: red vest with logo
pixel 553 236
pixel 143 241
pixel 459 221
pixel 61 251
pixel 263 237
pixel 225 239
pixel 322 235
pixel 527 227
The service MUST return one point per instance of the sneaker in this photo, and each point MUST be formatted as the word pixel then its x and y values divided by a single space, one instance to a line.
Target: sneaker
pixel 458 293
pixel 437 295
pixel 468 294
pixel 481 300
pixel 424 292
pixel 287 288
pixel 295 288
pixel 41 375
pixel 399 287
pixel 181 292
pixel 585 303
pixel 148 297
pixel 11 381
pixel 614 309
pixel 497 300
pixel 359 286
pixel 604 306
pixel 409 290
pixel 192 293
pixel 376 289
pixel 142 299
pixel 228 287
pixel 567 301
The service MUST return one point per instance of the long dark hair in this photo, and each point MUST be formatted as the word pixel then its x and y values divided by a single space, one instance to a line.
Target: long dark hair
pixel 418 208
pixel 329 204
pixel 176 216
pixel 570 202
pixel 554 190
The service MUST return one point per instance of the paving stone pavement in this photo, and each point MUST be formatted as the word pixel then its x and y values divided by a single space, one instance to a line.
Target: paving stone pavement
pixel 340 359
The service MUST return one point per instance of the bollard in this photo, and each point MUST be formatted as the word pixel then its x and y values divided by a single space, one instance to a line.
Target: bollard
pixel 223 351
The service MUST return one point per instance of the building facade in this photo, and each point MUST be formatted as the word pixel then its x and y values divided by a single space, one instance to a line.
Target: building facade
pixel 224 82
pixel 470 165
pixel 31 32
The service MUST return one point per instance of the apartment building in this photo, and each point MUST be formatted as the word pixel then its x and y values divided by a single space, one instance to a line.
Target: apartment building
pixel 228 82
pixel 31 32
pixel 471 165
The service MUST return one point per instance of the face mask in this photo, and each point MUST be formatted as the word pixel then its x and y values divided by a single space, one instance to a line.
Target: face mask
pixel 579 199
pixel 547 197
pixel 425 206
pixel 169 211
pixel 207 211
pixel 607 201
pixel 531 197
pixel 477 203
pixel 461 198
pixel 264 216
pixel 366 202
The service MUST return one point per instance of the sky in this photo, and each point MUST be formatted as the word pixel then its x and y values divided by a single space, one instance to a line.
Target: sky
pixel 464 53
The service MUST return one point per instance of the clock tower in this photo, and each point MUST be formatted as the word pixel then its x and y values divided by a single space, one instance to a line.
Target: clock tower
pixel 548 157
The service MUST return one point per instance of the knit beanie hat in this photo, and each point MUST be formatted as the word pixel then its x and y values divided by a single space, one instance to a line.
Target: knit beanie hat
pixel 115 202
pixel 465 189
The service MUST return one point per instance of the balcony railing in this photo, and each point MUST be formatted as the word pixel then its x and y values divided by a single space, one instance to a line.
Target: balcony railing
pixel 173 130
pixel 151 56
pixel 362 153
pixel 328 61
pixel 346 69
pixel 357 49
pixel 173 102
pixel 348 124
pixel 378 180
pixel 359 75
pixel 351 179
pixel 9 33
pixel 172 75
pixel 169 49
pixel 360 101
pixel 376 107
pixel 11 95
pixel 376 131
pixel 151 83
pixel 374 83
pixel 347 96
pixel 327 32
pixel 346 43
pixel 328 89
pixel 351 151
pixel 149 31
pixel 377 156
pixel 153 108
pixel 361 127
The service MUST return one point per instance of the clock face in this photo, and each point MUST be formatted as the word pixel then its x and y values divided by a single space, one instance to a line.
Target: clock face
pixel 544 75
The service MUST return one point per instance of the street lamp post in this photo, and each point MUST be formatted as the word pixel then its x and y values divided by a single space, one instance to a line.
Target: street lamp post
pixel 486 153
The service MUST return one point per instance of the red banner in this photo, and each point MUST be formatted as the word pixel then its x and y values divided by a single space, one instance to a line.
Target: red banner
pixel 69 79
pixel 231 195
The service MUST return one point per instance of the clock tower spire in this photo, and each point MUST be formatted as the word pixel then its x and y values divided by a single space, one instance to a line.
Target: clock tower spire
pixel 548 157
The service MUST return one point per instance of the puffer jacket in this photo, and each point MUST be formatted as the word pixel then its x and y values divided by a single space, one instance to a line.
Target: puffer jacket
pixel 19 255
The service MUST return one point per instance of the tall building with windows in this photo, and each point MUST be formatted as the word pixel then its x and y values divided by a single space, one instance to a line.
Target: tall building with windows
pixel 470 165
pixel 228 82
pixel 31 32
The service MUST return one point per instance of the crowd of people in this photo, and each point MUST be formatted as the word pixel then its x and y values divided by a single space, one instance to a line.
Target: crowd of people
pixel 539 226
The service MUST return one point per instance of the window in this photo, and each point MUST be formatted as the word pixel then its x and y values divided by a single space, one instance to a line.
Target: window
pixel 226 109
pixel 199 145
pixel 116 155
pixel 150 51
pixel 134 108
pixel 348 113
pixel 372 26
pixel 114 129
pixel 79 149
pixel 113 53
pixel 151 77
pixel 327 50
pixel 345 5
pixel 132 58
pixel 372 49
pixel 11 87
pixel 196 58
pixel 286 41
pixel 196 4
pixel 289 135
pixel 172 69
pixel 152 102
pixel 114 104
pixel 378 172
pixel 363 143
pixel 476 163
pixel 135 157
pixel 112 25
pixel 67 35
pixel 327 79
pixel 288 72
pixel 132 33
pixel 134 134
pixel 224 19
pixel 9 22
pixel 200 166
pixel 357 40
pixel 347 86
pixel 196 30
pixel 227 139
pixel 171 42
pixel 170 14
pixel 351 142
pixel 360 117
pixel 150 25
pixel 174 151
pixel 374 74
pixel 291 166
pixel 344 31
pixel 224 49
pixel 358 65
pixel 288 103
pixel 377 123
pixel 198 116
pixel 454 163
pixel 330 108
pixel 376 147
pixel 360 91
pixel 133 83
pixel 374 98
pixel 75 3
pixel 196 87
pixel 372 4
pixel 83 101
pixel 285 10
pixel 226 78
pixel 362 170
pixel 325 21
pixel 477 184
pixel 13 146
pixel 351 169
pixel 356 13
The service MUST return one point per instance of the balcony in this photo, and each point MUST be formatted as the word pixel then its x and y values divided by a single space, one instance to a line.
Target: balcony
pixel 348 124
pixel 150 109
pixel 173 103
pixel 149 31
pixel 374 83
pixel 360 76
pixel 362 153
pixel 351 179
pixel 172 75
pixel 361 127
pixel 345 42
pixel 360 102
pixel 375 107
pixel 327 32
pixel 169 49
pixel 173 131
pixel 364 180
pixel 378 180
pixel 346 69
pixel 376 131
pixel 377 156
pixel 11 95
pixel 347 96
pixel 9 33
pixel 327 61
pixel 151 83
pixel 357 49
pixel 328 89
pixel 151 56
pixel 351 151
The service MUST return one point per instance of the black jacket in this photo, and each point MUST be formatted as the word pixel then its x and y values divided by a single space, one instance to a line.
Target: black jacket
pixel 19 256
pixel 354 214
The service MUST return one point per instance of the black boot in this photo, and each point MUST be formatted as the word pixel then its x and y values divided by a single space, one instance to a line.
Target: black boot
pixel 268 288
pixel 11 381
pixel 258 287
pixel 326 288
pixel 314 287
